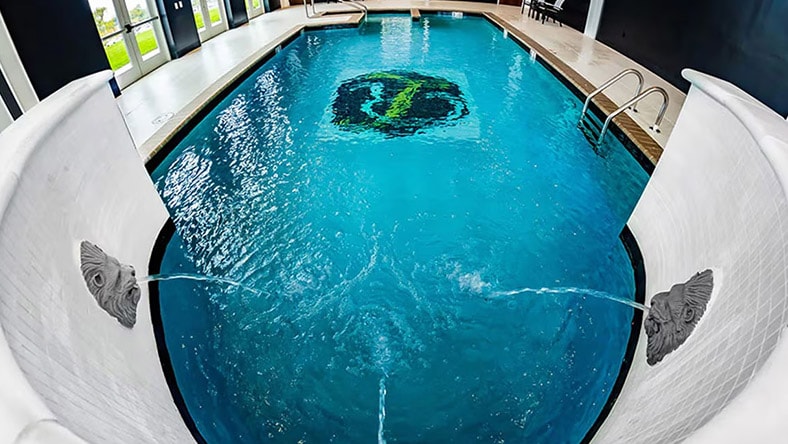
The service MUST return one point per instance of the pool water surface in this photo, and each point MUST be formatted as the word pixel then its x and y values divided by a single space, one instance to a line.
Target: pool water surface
pixel 382 194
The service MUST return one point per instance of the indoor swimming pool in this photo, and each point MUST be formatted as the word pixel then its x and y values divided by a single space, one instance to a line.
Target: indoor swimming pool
pixel 414 244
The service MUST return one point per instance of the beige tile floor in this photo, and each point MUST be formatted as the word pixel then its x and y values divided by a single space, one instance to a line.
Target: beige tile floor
pixel 181 86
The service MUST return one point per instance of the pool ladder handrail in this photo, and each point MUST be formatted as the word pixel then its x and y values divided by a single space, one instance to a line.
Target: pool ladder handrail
pixel 633 102
pixel 610 83
pixel 354 3
pixel 306 9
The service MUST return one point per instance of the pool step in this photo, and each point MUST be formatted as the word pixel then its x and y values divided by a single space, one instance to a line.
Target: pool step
pixel 591 127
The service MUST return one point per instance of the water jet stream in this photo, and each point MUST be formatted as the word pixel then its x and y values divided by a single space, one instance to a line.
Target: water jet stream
pixel 197 277
pixel 570 290
pixel 382 409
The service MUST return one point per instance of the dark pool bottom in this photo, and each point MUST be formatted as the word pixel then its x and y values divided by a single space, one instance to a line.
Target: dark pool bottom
pixel 378 261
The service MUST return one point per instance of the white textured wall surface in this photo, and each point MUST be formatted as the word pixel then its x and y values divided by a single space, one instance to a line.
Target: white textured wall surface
pixel 716 200
pixel 758 415
pixel 69 172
pixel 47 431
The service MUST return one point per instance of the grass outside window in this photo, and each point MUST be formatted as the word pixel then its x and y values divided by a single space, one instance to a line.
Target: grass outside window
pixel 118 55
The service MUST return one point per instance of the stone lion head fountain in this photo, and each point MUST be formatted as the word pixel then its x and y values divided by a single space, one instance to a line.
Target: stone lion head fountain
pixel 674 314
pixel 114 285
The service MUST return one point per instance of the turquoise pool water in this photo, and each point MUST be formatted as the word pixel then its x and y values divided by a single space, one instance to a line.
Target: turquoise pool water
pixel 383 194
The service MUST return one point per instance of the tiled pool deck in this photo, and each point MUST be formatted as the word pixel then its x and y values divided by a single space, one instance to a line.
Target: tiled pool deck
pixel 185 85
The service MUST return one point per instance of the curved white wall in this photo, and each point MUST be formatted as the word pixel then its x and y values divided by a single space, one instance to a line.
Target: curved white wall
pixel 758 415
pixel 716 200
pixel 69 172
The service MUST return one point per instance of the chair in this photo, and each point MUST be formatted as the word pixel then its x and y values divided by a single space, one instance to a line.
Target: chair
pixel 533 8
pixel 553 11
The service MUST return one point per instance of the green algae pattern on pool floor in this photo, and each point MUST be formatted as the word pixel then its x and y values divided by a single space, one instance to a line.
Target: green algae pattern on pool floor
pixel 397 103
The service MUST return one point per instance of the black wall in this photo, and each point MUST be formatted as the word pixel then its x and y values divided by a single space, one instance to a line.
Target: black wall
pixel 7 96
pixel 57 41
pixel 575 13
pixel 236 13
pixel 742 41
pixel 179 27
pixel 273 5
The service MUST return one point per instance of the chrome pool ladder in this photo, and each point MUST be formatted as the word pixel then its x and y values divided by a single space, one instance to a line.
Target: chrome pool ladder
pixel 589 126
pixel 357 5
pixel 633 102
pixel 354 3
pixel 610 83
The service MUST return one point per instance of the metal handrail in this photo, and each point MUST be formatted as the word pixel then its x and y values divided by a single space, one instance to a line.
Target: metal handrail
pixel 358 6
pixel 634 101
pixel 609 83
pixel 354 3
pixel 129 27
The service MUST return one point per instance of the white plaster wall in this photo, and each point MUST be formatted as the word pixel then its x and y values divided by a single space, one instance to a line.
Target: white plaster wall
pixel 759 413
pixel 716 200
pixel 47 431
pixel 68 172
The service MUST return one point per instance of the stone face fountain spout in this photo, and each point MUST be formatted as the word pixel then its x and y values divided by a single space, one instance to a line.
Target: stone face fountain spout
pixel 114 285
pixel 674 315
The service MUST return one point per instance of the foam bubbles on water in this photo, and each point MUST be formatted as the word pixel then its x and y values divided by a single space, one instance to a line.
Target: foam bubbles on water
pixel 473 282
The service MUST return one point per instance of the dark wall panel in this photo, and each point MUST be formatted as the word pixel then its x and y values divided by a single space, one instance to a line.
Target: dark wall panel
pixel 57 41
pixel 236 13
pixel 8 98
pixel 743 42
pixel 273 5
pixel 179 27
pixel 575 13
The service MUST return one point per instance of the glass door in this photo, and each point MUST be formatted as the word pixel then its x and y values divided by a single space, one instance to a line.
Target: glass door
pixel 210 18
pixel 254 8
pixel 131 33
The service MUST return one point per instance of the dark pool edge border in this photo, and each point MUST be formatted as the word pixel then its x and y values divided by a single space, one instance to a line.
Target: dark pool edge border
pixel 639 270
pixel 154 267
